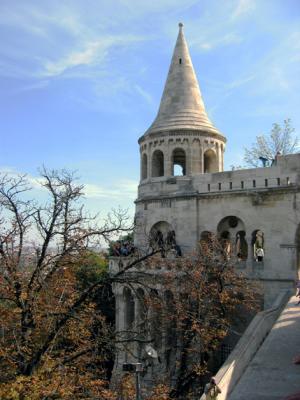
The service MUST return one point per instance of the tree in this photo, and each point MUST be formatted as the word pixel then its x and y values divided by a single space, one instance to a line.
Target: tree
pixel 192 306
pixel 54 338
pixel 280 140
pixel 57 333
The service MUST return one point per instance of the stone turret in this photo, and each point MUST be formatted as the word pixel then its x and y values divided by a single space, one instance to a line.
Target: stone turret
pixel 182 137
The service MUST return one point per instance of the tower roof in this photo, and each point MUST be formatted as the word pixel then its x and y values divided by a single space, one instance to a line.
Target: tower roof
pixel 181 105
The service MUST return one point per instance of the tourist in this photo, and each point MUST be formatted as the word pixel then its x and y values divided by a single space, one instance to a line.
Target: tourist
pixel 212 390
pixel 259 252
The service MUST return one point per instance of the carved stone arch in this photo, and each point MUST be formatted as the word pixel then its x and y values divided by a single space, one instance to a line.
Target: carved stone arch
pixel 257 242
pixel 232 234
pixel 159 231
pixel 210 161
pixel 157 163
pixel 179 162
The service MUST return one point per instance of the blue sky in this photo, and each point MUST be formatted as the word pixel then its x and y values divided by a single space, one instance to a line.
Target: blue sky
pixel 81 80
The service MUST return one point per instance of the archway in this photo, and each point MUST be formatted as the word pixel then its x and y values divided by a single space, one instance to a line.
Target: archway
pixel 157 163
pixel 241 245
pixel 159 233
pixel 144 166
pixel 129 308
pixel 178 162
pixel 232 234
pixel 257 242
pixel 210 161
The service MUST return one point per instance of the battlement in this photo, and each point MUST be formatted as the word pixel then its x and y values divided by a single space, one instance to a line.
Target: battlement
pixel 286 173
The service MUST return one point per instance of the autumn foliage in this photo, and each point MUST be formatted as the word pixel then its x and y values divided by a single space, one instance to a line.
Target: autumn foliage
pixel 54 340
pixel 57 337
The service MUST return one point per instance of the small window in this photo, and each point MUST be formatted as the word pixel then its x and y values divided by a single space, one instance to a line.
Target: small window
pixel 288 181
pixel 220 186
pixel 242 184
pixel 266 182
pixel 230 185
pixel 254 183
pixel 208 187
pixel 179 162
pixel 278 181
pixel 180 60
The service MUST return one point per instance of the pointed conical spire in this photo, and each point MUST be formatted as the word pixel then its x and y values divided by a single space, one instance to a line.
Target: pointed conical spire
pixel 181 105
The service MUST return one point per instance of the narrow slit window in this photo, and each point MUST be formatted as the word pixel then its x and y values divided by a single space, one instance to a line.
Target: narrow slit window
pixel 266 182
pixel 180 60
pixel 220 186
pixel 230 185
pixel 242 184
pixel 288 181
pixel 208 187
pixel 278 181
pixel 254 183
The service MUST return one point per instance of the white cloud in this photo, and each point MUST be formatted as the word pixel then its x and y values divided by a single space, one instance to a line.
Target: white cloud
pixel 92 52
pixel 38 85
pixel 211 43
pixel 144 94
pixel 126 188
pixel 123 189
pixel 87 56
pixel 243 8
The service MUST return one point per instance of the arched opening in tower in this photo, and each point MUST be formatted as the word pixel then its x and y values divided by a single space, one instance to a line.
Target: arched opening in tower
pixel 157 163
pixel 129 309
pixel 232 235
pixel 258 245
pixel 144 166
pixel 179 162
pixel 210 161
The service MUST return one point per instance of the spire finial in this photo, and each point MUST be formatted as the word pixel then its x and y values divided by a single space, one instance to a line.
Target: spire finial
pixel 180 25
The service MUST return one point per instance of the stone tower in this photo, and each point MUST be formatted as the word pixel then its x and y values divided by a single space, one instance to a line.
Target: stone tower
pixel 185 195
pixel 182 142
pixel 181 134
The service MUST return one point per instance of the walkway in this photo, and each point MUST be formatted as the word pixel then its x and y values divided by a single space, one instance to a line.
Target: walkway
pixel 272 375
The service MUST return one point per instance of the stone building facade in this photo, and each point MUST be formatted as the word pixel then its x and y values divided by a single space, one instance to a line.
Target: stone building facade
pixel 184 189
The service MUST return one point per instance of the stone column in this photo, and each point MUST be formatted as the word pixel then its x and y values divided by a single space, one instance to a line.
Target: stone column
pixel 148 163
pixel 219 157
pixel 120 319
pixel 201 163
pixel 168 162
pixel 222 149
pixel 188 161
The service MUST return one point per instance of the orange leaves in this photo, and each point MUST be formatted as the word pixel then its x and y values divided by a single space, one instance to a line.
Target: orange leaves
pixel 160 392
pixel 61 384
